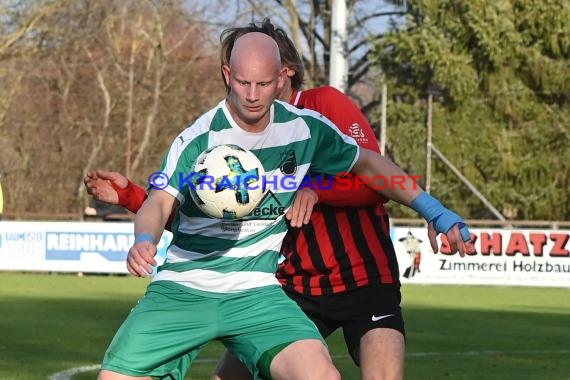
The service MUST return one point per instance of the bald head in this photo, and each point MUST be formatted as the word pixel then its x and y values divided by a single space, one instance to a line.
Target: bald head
pixel 255 49
pixel 255 79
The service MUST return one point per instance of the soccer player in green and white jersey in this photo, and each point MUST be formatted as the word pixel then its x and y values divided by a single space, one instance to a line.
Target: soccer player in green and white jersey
pixel 219 283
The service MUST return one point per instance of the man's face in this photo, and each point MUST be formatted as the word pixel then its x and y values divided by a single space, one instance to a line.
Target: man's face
pixel 253 88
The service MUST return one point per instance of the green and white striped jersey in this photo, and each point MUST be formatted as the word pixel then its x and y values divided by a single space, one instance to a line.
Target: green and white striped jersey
pixel 224 256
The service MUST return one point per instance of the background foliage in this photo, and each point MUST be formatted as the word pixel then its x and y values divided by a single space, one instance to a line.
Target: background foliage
pixel 108 83
pixel 499 74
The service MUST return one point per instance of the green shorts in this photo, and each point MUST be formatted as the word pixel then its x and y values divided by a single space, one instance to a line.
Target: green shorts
pixel 171 324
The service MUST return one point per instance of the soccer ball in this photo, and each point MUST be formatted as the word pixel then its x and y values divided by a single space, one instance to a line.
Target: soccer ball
pixel 227 182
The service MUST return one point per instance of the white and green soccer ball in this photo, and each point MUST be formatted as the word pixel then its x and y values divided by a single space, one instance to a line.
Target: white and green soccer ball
pixel 227 182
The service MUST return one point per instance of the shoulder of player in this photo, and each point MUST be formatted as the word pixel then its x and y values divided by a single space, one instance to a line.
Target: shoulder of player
pixel 293 112
pixel 327 92
pixel 325 99
pixel 284 107
pixel 199 127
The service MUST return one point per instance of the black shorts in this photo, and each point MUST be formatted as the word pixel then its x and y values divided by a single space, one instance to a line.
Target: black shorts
pixel 357 312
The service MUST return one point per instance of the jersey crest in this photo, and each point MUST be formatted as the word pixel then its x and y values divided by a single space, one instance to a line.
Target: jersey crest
pixel 288 162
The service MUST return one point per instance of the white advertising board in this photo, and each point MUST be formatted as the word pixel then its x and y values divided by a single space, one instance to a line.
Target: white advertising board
pixel 502 257
pixel 68 246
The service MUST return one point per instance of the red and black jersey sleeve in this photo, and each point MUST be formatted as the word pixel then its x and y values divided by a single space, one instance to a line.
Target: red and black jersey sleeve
pixel 346 115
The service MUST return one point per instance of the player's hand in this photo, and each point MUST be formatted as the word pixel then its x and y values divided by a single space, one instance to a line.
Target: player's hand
pixel 140 258
pixel 102 185
pixel 454 237
pixel 442 220
pixel 300 212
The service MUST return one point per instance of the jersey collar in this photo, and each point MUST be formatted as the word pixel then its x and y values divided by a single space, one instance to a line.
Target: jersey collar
pixel 295 97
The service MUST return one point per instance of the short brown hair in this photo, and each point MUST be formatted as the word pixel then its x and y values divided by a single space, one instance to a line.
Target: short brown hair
pixel 289 55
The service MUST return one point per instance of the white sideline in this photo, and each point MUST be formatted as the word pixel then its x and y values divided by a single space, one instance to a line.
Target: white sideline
pixel 68 373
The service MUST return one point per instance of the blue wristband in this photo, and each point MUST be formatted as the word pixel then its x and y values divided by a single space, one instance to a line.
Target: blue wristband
pixel 443 219
pixel 427 206
pixel 145 236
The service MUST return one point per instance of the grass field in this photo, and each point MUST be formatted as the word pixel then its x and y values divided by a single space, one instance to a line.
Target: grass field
pixel 52 323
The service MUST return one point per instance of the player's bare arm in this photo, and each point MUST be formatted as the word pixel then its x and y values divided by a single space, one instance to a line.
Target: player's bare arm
pixel 102 185
pixel 371 164
pixel 439 218
pixel 115 188
pixel 149 226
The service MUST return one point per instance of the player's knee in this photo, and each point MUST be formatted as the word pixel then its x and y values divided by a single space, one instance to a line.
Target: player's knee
pixel 105 375
pixel 306 360
pixel 109 375
pixel 382 376
pixel 331 373
pixel 328 372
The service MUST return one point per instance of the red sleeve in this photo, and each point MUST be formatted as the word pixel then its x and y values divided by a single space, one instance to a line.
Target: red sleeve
pixel 346 115
pixel 341 196
pixel 133 196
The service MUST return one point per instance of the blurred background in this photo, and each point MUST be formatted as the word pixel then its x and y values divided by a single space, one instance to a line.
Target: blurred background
pixel 471 95
pixel 108 83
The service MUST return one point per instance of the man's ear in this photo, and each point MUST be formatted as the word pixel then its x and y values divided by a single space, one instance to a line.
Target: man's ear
pixel 226 73
pixel 289 72
pixel 282 77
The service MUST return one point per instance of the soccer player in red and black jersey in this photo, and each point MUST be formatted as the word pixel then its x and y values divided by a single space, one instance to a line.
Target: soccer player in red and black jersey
pixel 341 267
pixel 340 264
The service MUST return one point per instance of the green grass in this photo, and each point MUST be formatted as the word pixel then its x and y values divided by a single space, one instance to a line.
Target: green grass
pixel 50 323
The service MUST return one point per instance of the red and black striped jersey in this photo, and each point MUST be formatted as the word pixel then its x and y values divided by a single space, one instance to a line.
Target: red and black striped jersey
pixel 345 247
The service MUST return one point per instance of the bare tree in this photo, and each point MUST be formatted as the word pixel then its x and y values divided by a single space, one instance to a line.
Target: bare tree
pixel 97 134
pixel 311 19
pixel 97 79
